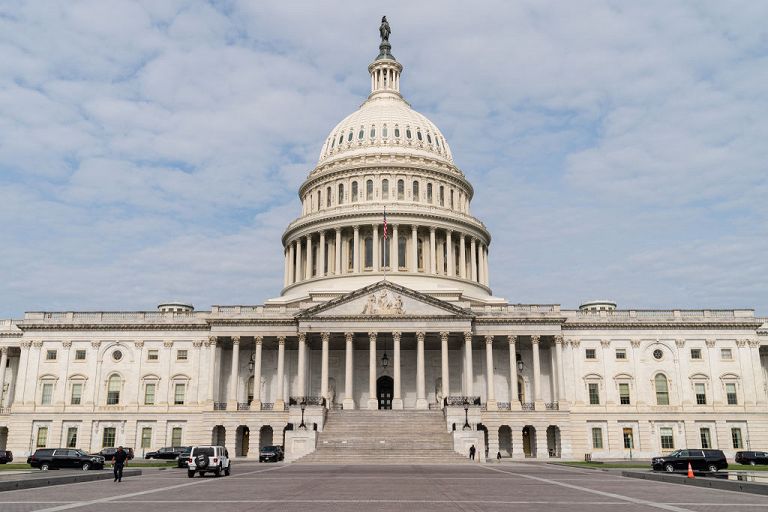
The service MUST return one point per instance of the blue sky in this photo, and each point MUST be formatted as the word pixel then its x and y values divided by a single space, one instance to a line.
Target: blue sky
pixel 152 151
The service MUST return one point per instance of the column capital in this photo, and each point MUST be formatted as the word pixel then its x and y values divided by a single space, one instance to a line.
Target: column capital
pixel 356 227
pixel 432 229
pixel 489 340
pixel 325 336
pixel 680 342
pixel 3 350
pixel 535 339
pixel 348 336
pixel 95 344
pixel 444 336
pixel 372 335
pixel 396 335
pixel 754 343
pixel 420 336
pixel 26 344
pixel 462 236
pixel 281 340
pixel 39 343
pixel 258 340
pixel 605 343
pixel 337 229
pixel 302 337
pixel 512 339
pixel 235 340
pixel 576 342
pixel 558 339
pixel 169 343
pixel 308 236
pixel 414 227
pixel 635 342
pixel 710 343
pixel 741 343
pixel 468 336
pixel 197 343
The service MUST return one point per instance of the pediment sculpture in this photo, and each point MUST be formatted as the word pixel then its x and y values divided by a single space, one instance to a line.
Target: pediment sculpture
pixel 384 303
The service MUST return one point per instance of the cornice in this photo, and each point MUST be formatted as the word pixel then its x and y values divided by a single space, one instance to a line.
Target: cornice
pixel 659 325
pixel 250 322
pixel 113 327
pixel 553 321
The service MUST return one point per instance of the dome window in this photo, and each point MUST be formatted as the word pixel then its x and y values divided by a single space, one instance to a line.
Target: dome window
pixel 361 133
pixel 341 139
pixel 384 131
pixel 341 193
pixel 349 137
pixel 333 142
pixel 397 132
pixel 429 138
pixel 418 134
pixel 429 193
pixel 400 190
pixel 385 189
pixel 415 190
pixel 408 133
pixel 373 132
pixel 328 197
pixel 354 191
pixel 369 190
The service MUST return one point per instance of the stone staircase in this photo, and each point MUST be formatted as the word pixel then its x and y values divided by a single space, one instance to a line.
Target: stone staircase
pixel 384 437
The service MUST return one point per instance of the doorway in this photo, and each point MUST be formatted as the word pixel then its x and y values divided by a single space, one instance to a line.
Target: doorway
pixel 529 441
pixel 242 445
pixel 384 389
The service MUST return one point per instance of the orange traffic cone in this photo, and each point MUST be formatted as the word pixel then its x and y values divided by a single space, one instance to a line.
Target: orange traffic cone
pixel 690 471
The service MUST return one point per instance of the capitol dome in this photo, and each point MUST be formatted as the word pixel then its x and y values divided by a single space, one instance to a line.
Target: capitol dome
pixel 386 157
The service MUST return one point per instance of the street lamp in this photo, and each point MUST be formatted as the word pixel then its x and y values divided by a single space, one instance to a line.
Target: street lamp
pixel 520 365
pixel 251 363
pixel 466 417
pixel 385 358
pixel 302 425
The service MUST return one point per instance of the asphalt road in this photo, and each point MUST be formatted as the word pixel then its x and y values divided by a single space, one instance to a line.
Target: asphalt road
pixel 331 488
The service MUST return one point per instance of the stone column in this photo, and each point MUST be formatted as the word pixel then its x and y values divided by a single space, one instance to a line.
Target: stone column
pixel 473 258
pixel 444 376
pixel 757 369
pixel 291 265
pixel 321 256
pixel 394 253
pixel 337 252
pixel 514 400
pixel 490 400
pixel 421 397
pixel 449 254
pixel 302 364
pixel 397 398
pixel 356 249
pixel 211 367
pixel 373 402
pixel 462 257
pixel 298 259
pixel 536 371
pixel 234 374
pixel 559 392
pixel 3 362
pixel 432 251
pixel 286 265
pixel 375 240
pixel 280 398
pixel 487 266
pixel 414 249
pixel 326 336
pixel 480 265
pixel 308 272
pixel 349 402
pixel 470 380
pixel 257 344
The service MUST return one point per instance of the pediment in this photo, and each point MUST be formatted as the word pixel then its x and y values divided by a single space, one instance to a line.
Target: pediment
pixel 385 300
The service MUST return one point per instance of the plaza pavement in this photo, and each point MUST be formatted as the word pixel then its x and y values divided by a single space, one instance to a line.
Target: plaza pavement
pixel 412 488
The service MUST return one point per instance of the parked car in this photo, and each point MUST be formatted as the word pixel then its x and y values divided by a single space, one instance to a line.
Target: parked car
pixel 6 456
pixel 57 458
pixel 166 452
pixel 183 460
pixel 700 460
pixel 208 459
pixel 271 454
pixel 752 458
pixel 109 452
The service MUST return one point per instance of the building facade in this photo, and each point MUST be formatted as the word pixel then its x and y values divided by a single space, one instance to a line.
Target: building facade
pixel 388 314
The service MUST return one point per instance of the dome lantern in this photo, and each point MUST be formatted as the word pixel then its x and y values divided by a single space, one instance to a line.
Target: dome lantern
pixel 385 70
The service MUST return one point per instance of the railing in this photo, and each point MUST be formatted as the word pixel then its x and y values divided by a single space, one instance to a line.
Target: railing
pixel 462 400
pixel 4 411
pixel 552 406
pixel 267 406
pixel 528 406
pixel 219 406
pixel 504 406
pixel 243 406
pixel 306 400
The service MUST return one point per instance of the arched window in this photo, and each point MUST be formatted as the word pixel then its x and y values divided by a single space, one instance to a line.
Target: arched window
pixel 418 134
pixel 341 138
pixel 429 193
pixel 415 190
pixel 349 136
pixel 385 189
pixel 400 190
pixel 419 255
pixel 384 131
pixel 328 197
pixel 368 252
pixel 354 191
pixel 373 132
pixel 397 132
pixel 401 251
pixel 662 389
pixel 341 193
pixel 319 202
pixel 407 132
pixel 451 203
pixel 350 254
pixel 361 133
pixel 333 141
pixel 442 196
pixel 429 138
pixel 114 383
pixel 369 190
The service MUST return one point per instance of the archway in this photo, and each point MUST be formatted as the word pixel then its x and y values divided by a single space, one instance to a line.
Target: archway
pixel 505 441
pixel 242 441
pixel 219 436
pixel 265 436
pixel 384 390
pixel 482 428
pixel 3 437
pixel 553 441
pixel 529 441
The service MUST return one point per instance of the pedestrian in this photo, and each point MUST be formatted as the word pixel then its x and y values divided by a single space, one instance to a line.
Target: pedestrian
pixel 472 452
pixel 118 461
pixel 498 456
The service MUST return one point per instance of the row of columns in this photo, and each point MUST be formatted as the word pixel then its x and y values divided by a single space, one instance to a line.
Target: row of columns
pixel 299 269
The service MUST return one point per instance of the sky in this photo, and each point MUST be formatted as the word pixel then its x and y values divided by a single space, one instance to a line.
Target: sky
pixel 152 151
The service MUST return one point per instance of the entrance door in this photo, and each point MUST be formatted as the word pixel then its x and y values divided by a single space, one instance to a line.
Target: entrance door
pixel 384 388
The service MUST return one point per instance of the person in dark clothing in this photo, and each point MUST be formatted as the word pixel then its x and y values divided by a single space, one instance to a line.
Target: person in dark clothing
pixel 498 456
pixel 118 461
pixel 472 452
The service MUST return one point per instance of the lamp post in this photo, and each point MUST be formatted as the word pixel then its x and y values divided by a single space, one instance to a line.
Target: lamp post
pixel 385 358
pixel 302 425
pixel 466 417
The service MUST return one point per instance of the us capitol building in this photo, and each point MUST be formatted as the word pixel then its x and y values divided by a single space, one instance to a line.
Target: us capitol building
pixel 382 324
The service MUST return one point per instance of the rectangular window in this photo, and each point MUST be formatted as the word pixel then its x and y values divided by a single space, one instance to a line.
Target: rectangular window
pixel 72 437
pixel 730 393
pixel 42 437
pixel 701 393
pixel 667 438
pixel 736 438
pixel 629 438
pixel 695 353
pixel 181 355
pixel 178 394
pixel 50 355
pixel 621 354
pixel 146 437
pixel 108 439
pixel 153 354
pixel 80 354
pixel 47 395
pixel 590 353
pixel 726 354
pixel 624 393
pixel 706 440
pixel 176 436
pixel 77 393
pixel 597 438
pixel 149 393
pixel 594 393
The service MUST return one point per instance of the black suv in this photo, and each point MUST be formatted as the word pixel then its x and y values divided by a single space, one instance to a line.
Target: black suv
pixel 6 456
pixel 109 452
pixel 167 452
pixel 700 460
pixel 183 460
pixel 271 454
pixel 57 458
pixel 751 458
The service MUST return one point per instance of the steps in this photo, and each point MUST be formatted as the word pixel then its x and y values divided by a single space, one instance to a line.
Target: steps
pixel 384 437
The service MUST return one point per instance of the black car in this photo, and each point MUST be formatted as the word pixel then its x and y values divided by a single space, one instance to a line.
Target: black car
pixel 166 452
pixel 109 452
pixel 271 454
pixel 59 458
pixel 700 460
pixel 6 456
pixel 183 460
pixel 752 458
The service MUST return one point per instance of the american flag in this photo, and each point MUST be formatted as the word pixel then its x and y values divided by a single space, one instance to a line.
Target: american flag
pixel 385 223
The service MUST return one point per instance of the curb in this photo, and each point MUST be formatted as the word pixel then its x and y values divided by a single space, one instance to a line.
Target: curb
pixel 707 482
pixel 31 483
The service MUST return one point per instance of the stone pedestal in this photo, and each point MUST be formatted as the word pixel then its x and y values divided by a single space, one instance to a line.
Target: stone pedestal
pixel 299 443
pixel 397 404
pixel 464 439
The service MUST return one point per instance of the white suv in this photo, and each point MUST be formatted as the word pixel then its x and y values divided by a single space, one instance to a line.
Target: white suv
pixel 208 459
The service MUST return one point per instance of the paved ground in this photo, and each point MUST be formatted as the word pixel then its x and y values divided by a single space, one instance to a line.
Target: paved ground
pixel 328 488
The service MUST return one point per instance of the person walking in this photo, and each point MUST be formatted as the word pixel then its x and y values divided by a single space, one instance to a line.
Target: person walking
pixel 472 452
pixel 498 456
pixel 118 461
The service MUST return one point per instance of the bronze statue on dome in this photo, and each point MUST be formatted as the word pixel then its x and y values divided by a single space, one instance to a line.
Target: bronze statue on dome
pixel 384 30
